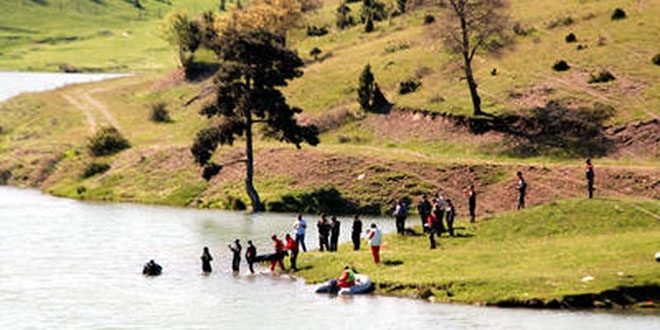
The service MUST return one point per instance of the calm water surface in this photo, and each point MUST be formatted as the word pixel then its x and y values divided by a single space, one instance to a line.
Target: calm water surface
pixel 67 264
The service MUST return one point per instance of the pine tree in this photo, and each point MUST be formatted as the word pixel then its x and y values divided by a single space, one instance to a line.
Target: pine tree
pixel 365 89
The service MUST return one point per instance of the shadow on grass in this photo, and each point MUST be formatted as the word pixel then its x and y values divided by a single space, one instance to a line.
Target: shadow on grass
pixel 392 262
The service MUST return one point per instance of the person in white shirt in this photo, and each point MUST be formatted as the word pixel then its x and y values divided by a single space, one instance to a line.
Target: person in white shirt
pixel 300 226
pixel 375 236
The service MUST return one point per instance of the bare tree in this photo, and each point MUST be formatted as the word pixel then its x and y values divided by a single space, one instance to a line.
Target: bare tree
pixel 472 25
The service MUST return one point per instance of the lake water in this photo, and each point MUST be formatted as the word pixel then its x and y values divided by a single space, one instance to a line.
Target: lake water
pixel 67 264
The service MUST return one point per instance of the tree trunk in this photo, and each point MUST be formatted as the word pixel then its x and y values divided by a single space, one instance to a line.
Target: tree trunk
pixel 257 206
pixel 472 85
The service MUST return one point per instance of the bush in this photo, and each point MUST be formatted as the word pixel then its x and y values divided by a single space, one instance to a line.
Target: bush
pixel 159 113
pixel 365 88
pixel 602 77
pixel 369 26
pixel 344 17
pixel 107 141
pixel 315 52
pixel 394 46
pixel 562 21
pixel 409 86
pixel 618 14
pixel 323 200
pixel 656 59
pixel 94 169
pixel 561 65
pixel 315 31
pixel 429 19
pixel 522 30
pixel 210 170
pixel 571 38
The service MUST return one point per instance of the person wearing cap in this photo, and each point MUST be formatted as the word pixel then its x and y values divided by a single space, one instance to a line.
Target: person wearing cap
pixel 236 260
pixel 250 255
pixel 206 260
pixel 279 253
pixel 589 173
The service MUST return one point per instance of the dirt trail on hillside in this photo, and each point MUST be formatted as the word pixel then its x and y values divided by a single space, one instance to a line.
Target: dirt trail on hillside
pixel 91 108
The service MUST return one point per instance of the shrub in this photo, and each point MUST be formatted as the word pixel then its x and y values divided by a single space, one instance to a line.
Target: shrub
pixel 369 26
pixel 581 47
pixel 159 113
pixel 380 102
pixel 602 77
pixel 365 88
pixel 656 59
pixel 394 46
pixel 522 30
pixel 107 141
pixel 401 6
pixel 562 21
pixel 409 86
pixel 315 31
pixel 571 38
pixel 429 19
pixel 561 65
pixel 94 169
pixel 315 52
pixel 618 14
pixel 210 170
pixel 344 17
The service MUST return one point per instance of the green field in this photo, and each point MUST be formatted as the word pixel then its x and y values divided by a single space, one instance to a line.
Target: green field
pixel 545 252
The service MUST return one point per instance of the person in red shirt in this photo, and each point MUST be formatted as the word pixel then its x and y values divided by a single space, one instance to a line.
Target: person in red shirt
pixel 279 253
pixel 347 278
pixel 292 246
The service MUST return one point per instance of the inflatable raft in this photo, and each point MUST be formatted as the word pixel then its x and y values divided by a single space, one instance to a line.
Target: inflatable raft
pixel 362 285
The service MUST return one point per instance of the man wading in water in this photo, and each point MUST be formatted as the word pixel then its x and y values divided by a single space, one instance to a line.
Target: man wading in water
pixel 236 260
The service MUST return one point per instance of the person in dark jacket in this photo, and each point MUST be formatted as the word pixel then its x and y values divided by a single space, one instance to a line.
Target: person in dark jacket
pixel 450 214
pixel 400 214
pixel 356 232
pixel 334 233
pixel 472 203
pixel 522 190
pixel 589 173
pixel 236 250
pixel 151 268
pixel 250 255
pixel 324 231
pixel 424 209
pixel 206 260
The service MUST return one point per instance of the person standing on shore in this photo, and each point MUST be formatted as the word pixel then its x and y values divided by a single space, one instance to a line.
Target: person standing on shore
pixel 400 214
pixel 292 246
pixel 589 173
pixel 300 226
pixel 439 211
pixel 250 255
pixel 424 209
pixel 375 240
pixel 334 233
pixel 356 232
pixel 206 260
pixel 472 203
pixel 324 230
pixel 450 214
pixel 433 224
pixel 278 245
pixel 522 190
pixel 236 250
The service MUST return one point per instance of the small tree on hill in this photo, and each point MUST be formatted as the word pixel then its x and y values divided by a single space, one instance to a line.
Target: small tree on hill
pixel 254 64
pixel 184 33
pixel 344 18
pixel 471 25
pixel 366 87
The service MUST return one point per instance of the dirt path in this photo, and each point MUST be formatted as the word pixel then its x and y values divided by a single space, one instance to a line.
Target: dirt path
pixel 91 108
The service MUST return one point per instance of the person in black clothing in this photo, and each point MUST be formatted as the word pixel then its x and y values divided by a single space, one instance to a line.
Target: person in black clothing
pixel 522 190
pixel 472 203
pixel 424 209
pixel 450 214
pixel 250 255
pixel 151 268
pixel 400 215
pixel 236 260
pixel 324 231
pixel 355 233
pixel 439 213
pixel 589 172
pixel 334 233
pixel 206 260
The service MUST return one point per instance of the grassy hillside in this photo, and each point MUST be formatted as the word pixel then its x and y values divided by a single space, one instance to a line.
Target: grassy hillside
pixel 546 252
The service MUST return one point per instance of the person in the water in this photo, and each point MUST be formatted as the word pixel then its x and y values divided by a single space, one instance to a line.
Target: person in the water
pixel 206 260
pixel 250 255
pixel 151 268
pixel 236 260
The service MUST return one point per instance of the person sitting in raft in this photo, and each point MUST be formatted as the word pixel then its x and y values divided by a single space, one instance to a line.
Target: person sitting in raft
pixel 347 278
pixel 151 268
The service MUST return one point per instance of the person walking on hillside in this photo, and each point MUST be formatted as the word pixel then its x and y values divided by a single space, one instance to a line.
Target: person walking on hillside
pixel 356 232
pixel 334 233
pixel 292 247
pixel 236 250
pixel 450 214
pixel 300 226
pixel 375 236
pixel 400 214
pixel 522 190
pixel 472 203
pixel 250 255
pixel 206 260
pixel 278 245
pixel 324 231
pixel 589 173
pixel 424 209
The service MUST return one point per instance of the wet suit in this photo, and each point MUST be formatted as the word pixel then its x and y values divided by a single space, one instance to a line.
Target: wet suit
pixel 236 260
pixel 250 255
pixel 206 262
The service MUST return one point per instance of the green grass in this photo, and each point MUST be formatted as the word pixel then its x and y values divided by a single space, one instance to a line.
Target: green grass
pixel 542 252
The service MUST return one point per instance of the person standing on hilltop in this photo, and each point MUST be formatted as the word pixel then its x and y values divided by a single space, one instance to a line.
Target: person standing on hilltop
pixel 522 190
pixel 589 173
pixel 424 209
pixel 300 226
pixel 472 203
pixel 400 214
pixel 356 232
pixel 334 233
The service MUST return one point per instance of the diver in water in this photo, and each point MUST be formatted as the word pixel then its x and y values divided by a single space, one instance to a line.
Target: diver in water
pixel 206 260
pixel 236 260
pixel 151 268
